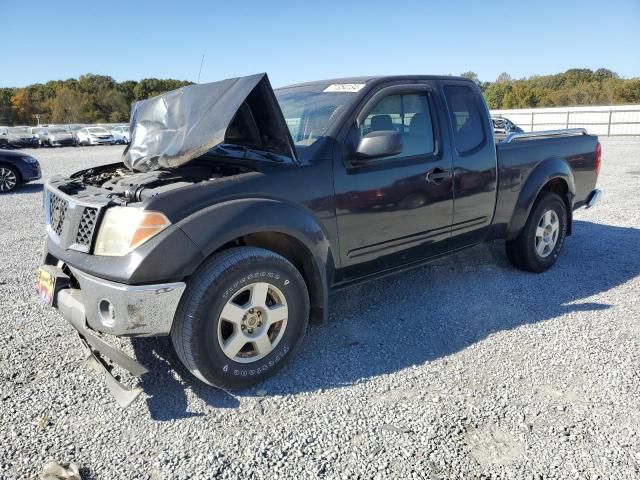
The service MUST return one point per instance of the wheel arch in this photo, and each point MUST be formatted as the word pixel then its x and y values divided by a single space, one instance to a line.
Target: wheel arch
pixel 283 228
pixel 551 175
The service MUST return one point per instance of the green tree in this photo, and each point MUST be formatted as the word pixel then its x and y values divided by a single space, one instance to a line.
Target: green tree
pixel 151 87
pixel 504 77
pixel 494 94
pixel 473 76
pixel 127 89
pixel 23 106
pixel 66 106
pixel 6 112
pixel 628 92
pixel 521 96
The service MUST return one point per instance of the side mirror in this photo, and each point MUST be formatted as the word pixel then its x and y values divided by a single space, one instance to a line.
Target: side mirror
pixel 383 143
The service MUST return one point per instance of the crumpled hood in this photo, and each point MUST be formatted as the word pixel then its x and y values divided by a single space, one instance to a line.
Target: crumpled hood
pixel 173 128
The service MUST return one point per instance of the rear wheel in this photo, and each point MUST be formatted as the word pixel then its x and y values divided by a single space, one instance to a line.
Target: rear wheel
pixel 9 179
pixel 243 316
pixel 537 247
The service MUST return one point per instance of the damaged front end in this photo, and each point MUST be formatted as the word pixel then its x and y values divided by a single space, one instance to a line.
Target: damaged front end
pixel 170 130
pixel 195 136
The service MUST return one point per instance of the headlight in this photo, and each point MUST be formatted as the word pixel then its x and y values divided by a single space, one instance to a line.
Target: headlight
pixel 30 160
pixel 124 228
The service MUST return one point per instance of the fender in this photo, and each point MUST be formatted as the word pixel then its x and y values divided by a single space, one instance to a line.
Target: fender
pixel 215 226
pixel 542 174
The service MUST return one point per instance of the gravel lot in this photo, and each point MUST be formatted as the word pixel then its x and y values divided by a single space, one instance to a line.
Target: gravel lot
pixel 464 368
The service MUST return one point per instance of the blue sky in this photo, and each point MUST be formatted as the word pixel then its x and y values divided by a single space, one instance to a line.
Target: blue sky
pixel 309 39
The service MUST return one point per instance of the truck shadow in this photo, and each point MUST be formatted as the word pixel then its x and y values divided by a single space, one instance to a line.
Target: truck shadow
pixel 420 316
pixel 27 188
pixel 167 382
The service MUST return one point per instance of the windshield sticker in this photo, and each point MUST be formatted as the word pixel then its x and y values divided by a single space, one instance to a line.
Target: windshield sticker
pixel 344 87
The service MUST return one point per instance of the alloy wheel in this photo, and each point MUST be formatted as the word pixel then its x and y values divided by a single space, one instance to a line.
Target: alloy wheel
pixel 547 233
pixel 252 322
pixel 8 179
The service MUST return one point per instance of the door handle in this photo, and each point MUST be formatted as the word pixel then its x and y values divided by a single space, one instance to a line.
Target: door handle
pixel 437 175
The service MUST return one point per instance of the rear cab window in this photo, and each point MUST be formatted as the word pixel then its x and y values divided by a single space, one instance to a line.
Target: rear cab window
pixel 466 118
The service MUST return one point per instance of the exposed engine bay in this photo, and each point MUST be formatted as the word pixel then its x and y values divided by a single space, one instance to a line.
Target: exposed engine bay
pixel 117 183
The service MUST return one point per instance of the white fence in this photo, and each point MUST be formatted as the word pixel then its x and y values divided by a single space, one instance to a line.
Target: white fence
pixel 617 120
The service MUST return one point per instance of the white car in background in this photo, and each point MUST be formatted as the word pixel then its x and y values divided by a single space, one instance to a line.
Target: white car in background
pixel 94 136
pixel 121 134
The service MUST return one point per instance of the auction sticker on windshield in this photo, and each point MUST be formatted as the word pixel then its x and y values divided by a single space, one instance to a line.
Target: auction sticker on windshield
pixel 344 87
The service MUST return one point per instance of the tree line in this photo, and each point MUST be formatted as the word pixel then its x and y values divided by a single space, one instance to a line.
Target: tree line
pixel 577 86
pixel 88 99
pixel 100 99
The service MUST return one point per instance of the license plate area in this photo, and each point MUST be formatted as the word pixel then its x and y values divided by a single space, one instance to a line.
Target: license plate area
pixel 49 280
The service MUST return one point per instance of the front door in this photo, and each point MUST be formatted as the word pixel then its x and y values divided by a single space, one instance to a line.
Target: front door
pixel 396 209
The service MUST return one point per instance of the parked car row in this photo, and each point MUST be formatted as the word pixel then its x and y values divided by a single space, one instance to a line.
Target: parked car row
pixel 63 135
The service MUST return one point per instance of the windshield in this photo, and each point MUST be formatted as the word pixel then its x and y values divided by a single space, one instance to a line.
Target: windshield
pixel 19 131
pixel 98 130
pixel 58 130
pixel 310 111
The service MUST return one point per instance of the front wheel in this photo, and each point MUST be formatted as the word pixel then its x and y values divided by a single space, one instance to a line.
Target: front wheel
pixel 243 316
pixel 537 247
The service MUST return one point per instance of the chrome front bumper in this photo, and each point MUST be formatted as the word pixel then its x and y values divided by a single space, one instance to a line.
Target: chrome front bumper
pixel 122 310
pixel 128 310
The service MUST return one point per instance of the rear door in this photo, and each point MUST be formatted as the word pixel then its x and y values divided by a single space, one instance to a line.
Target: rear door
pixel 474 163
pixel 396 209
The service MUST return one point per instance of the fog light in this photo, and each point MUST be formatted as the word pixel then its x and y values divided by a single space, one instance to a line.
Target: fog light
pixel 107 313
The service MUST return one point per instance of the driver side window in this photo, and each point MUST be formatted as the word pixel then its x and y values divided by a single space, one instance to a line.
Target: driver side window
pixel 408 114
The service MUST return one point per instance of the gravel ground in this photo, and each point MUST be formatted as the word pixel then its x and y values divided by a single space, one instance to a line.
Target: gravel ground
pixel 464 368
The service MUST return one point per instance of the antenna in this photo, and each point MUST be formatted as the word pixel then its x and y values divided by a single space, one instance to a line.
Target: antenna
pixel 200 71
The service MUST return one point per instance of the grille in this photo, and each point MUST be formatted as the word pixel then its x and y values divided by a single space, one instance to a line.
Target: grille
pixel 86 226
pixel 57 211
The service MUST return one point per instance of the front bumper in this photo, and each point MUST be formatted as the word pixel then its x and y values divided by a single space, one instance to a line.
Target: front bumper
pixel 131 310
pixel 24 143
pixel 63 142
pixel 123 310
pixel 100 141
pixel 94 306
pixel 30 172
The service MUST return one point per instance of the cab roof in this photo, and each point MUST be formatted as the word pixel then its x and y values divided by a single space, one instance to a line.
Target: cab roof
pixel 374 79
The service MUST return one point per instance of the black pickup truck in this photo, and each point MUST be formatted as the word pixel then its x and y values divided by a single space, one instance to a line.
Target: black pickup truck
pixel 236 210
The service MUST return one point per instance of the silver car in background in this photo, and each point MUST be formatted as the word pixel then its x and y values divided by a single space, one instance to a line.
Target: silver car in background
pixel 95 136
pixel 120 134
pixel 56 136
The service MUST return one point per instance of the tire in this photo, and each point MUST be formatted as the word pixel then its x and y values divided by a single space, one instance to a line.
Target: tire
pixel 9 179
pixel 538 245
pixel 226 282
